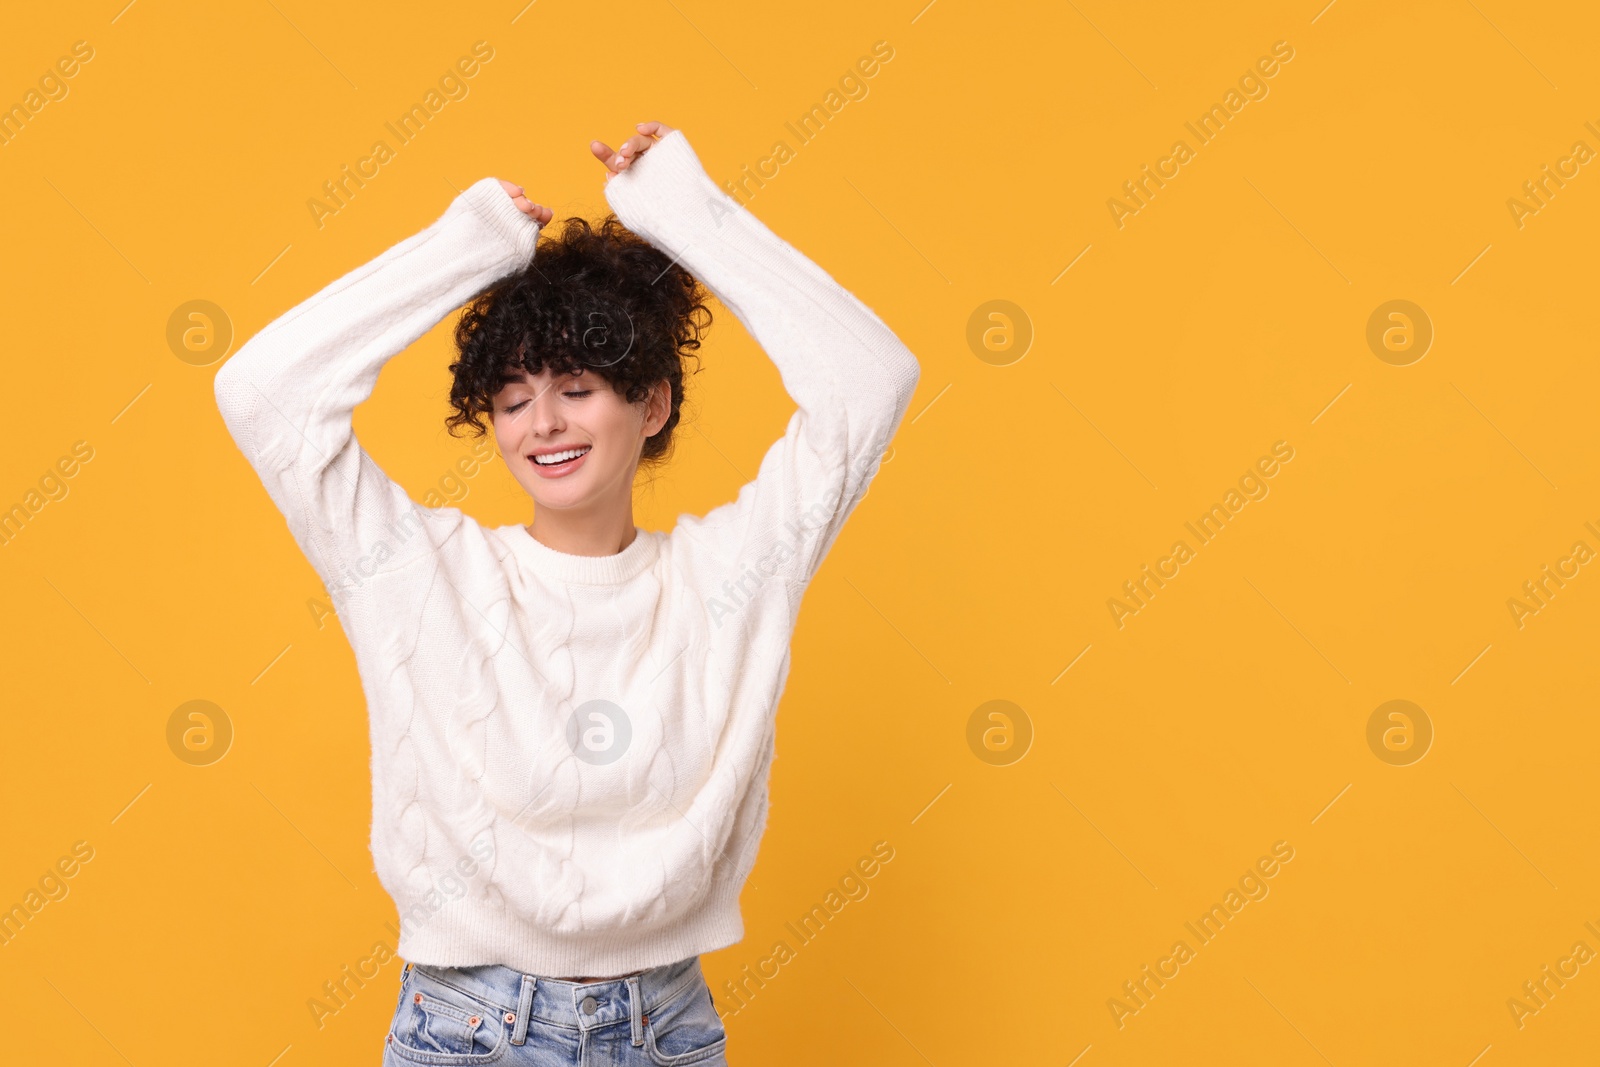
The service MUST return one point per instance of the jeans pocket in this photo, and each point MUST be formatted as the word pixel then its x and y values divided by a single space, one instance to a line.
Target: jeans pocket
pixel 686 1029
pixel 437 1023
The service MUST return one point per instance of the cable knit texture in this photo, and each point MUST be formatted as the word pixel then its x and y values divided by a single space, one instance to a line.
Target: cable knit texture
pixel 480 649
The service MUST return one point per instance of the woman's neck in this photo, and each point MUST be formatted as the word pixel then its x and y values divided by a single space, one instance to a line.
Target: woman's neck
pixel 579 536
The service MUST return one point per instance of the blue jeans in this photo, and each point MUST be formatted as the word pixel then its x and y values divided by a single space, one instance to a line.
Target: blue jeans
pixel 449 1016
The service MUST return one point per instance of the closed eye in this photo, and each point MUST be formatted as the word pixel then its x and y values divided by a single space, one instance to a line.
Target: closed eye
pixel 577 393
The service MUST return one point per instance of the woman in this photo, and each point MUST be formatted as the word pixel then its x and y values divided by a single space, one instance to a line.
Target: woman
pixel 572 721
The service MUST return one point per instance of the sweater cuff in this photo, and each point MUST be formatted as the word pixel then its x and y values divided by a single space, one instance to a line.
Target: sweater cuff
pixel 494 208
pixel 666 183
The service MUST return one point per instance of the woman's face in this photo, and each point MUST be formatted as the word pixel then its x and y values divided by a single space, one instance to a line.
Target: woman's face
pixel 548 413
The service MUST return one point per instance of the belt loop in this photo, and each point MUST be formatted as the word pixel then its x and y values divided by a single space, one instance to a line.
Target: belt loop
pixel 636 1009
pixel 519 1032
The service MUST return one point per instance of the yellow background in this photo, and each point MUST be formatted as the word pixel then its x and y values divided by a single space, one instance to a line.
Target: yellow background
pixel 1227 715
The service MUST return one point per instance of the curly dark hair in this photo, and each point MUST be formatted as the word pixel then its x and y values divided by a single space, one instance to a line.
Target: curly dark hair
pixel 602 299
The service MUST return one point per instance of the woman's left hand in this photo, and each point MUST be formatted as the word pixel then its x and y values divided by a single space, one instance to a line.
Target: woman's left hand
pixel 619 160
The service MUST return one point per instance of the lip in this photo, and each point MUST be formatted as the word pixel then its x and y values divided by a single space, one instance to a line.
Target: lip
pixel 560 470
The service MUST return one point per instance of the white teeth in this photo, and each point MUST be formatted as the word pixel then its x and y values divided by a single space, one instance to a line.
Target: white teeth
pixel 559 457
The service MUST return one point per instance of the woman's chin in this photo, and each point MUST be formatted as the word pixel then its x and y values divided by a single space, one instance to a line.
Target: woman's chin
pixel 561 495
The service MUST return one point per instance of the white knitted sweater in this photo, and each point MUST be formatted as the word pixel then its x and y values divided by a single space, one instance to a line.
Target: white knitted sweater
pixel 570 753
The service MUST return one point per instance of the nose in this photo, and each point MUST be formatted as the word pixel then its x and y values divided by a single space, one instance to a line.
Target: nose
pixel 546 409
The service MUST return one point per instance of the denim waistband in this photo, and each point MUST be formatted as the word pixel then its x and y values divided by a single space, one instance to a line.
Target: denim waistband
pixel 523 997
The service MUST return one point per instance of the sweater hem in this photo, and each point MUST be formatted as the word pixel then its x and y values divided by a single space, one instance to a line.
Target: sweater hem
pixel 470 932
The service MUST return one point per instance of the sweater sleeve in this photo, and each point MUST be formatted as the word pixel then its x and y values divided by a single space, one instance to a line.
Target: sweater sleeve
pixel 850 377
pixel 287 396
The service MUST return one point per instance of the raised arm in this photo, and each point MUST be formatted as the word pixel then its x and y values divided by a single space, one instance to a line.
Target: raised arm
pixel 849 375
pixel 287 396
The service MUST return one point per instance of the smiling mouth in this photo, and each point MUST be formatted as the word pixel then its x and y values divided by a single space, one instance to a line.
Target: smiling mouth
pixel 558 459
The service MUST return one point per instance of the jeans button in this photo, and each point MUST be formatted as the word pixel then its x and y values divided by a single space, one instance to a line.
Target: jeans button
pixel 589 1005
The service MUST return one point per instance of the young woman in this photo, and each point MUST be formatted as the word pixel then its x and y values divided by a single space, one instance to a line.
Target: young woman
pixel 572 721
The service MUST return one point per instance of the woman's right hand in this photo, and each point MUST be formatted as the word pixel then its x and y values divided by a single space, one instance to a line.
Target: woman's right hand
pixel 538 212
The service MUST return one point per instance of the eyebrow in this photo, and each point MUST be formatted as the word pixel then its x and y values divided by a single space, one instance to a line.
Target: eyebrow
pixel 519 376
pixel 512 372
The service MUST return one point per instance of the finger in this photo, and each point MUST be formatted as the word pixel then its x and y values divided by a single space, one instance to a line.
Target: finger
pixel 615 160
pixel 511 188
pixel 632 149
pixel 538 212
pixel 603 153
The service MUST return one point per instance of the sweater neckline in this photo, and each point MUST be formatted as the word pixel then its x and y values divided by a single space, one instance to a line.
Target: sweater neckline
pixel 586 570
